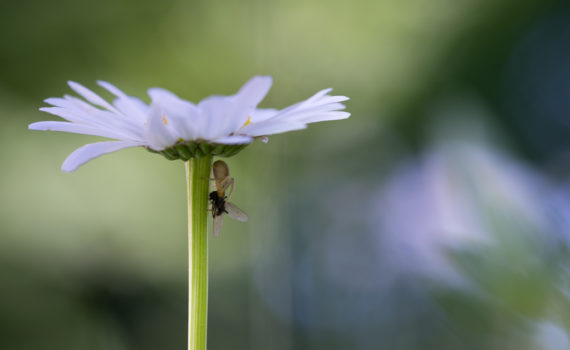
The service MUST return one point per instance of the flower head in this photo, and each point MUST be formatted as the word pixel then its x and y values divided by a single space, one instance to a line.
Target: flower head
pixel 179 129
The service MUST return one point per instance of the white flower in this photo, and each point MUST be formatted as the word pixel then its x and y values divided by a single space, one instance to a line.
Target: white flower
pixel 177 128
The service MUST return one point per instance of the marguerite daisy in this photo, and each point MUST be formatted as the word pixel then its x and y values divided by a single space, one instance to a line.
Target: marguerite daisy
pixel 176 128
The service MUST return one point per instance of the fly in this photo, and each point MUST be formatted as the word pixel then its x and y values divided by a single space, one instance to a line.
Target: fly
pixel 219 202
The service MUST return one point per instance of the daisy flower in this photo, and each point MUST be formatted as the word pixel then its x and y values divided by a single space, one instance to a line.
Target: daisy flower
pixel 179 129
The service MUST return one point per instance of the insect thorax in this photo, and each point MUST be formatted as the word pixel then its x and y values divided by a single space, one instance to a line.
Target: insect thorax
pixel 218 204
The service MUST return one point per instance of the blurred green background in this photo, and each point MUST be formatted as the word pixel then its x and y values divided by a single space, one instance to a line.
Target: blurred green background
pixel 436 217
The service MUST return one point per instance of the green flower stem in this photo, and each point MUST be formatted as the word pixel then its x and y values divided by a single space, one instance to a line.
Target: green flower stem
pixel 197 174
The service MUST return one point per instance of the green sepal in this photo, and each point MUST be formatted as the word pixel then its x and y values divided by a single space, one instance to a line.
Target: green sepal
pixel 218 149
pixel 170 154
pixel 183 152
pixel 189 150
pixel 205 147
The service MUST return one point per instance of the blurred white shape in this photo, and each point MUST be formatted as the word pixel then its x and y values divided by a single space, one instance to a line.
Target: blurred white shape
pixel 551 336
pixel 560 207
pixel 458 193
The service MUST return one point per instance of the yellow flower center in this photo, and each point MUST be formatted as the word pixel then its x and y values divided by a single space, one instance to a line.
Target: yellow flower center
pixel 164 120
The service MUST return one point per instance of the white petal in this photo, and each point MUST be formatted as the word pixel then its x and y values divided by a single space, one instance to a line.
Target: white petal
pixel 214 113
pixel 74 105
pixel 93 150
pixel 99 119
pixel 319 107
pixel 57 102
pixel 111 119
pixel 260 114
pixel 63 113
pixel 77 129
pixel 330 99
pixel 77 111
pixel 223 115
pixel 158 131
pixel 247 98
pixel 318 95
pixel 263 128
pixel 182 115
pixel 111 88
pixel 319 99
pixel 78 104
pixel 91 96
pixel 166 97
pixel 132 107
pixel 302 114
pixel 233 140
pixel 325 117
pixel 81 111
pixel 254 90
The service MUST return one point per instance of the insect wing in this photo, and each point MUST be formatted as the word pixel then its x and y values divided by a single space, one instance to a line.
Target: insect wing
pixel 217 225
pixel 235 212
